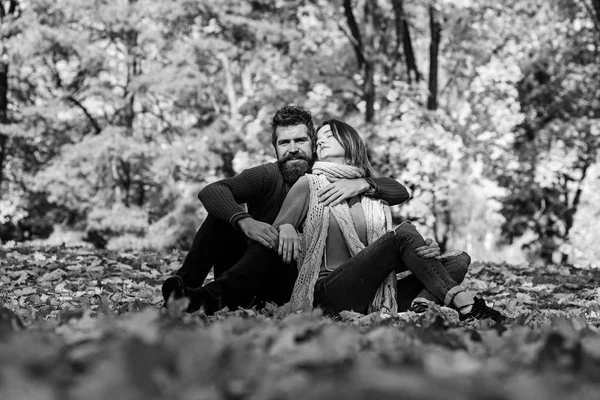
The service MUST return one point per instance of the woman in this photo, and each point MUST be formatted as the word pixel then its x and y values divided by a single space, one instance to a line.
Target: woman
pixel 347 256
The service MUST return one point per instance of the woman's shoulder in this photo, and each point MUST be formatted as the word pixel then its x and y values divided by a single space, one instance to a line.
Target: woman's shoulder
pixel 302 183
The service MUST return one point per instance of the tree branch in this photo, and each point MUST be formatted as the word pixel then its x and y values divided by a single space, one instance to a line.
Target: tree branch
pixel 95 124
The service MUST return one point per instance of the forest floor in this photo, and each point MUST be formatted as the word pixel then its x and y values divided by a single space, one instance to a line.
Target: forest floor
pixel 93 328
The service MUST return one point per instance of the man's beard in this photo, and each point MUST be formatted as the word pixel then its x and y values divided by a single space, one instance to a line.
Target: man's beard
pixel 292 171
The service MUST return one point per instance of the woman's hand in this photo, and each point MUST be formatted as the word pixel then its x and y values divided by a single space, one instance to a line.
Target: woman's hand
pixel 430 250
pixel 289 243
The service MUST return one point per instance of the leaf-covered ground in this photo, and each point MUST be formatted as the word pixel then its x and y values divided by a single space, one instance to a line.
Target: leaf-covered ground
pixel 93 329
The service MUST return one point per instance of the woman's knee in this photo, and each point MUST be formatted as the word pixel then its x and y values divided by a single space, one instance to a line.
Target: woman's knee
pixel 457 264
pixel 408 231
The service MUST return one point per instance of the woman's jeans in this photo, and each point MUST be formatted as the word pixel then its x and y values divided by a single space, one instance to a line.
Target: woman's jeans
pixel 352 286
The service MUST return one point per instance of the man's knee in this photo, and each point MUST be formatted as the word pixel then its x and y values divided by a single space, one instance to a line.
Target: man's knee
pixel 214 226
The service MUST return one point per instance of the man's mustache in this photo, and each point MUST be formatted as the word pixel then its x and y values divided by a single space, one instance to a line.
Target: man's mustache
pixel 295 157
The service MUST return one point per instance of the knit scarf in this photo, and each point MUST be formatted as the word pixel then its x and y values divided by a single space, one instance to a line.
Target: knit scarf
pixel 315 237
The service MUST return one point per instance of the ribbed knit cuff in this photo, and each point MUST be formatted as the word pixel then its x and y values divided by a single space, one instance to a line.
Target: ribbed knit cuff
pixel 236 217
pixel 452 293
pixel 374 189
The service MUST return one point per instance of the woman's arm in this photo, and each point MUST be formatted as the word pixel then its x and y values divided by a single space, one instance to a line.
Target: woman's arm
pixel 290 218
pixel 295 206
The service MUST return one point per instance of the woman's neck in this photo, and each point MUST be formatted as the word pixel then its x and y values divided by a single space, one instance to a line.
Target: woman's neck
pixel 336 160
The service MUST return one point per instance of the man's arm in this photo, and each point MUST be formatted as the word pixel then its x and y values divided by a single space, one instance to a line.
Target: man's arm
pixel 386 189
pixel 222 198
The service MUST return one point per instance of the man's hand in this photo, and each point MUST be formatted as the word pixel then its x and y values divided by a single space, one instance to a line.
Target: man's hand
pixel 340 190
pixel 430 250
pixel 289 243
pixel 259 231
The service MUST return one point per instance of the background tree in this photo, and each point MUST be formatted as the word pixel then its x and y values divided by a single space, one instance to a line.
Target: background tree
pixel 404 41
pixel 435 31
pixel 9 11
pixel 117 113
pixel 557 141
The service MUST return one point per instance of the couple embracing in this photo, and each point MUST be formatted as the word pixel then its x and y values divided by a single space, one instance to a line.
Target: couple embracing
pixel 317 233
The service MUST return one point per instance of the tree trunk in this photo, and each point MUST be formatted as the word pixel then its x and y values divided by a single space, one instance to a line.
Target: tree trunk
pixel 3 146
pixel 229 88
pixel 353 25
pixel 448 225
pixel 404 41
pixel 13 11
pixel 129 96
pixel 445 217
pixel 141 193
pixel 572 208
pixel 369 64
pixel 227 157
pixel 434 48
pixel 125 181
pixel 596 6
pixel 364 50
pixel 3 118
pixel 369 91
pixel 133 70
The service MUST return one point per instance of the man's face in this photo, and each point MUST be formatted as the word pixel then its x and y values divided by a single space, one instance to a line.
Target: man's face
pixel 293 141
pixel 294 152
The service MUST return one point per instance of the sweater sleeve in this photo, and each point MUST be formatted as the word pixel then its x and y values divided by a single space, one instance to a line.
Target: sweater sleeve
pixel 389 190
pixel 222 198
pixel 295 206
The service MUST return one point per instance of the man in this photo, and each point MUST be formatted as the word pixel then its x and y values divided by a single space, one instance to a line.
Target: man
pixel 222 240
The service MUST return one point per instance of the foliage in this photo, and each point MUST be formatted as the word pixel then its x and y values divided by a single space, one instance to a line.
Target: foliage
pixel 557 141
pixel 134 104
pixel 93 328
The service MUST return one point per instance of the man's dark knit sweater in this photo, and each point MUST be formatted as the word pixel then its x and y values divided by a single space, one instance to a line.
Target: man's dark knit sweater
pixel 263 190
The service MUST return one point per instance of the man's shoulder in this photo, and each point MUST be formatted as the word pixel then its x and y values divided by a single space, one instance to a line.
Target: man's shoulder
pixel 268 171
pixel 270 168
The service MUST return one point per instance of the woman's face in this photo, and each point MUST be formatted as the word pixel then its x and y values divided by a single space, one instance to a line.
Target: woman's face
pixel 328 148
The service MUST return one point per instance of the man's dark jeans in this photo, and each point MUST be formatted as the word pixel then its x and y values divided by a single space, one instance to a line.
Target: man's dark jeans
pixel 259 276
pixel 245 274
pixel 216 244
pixel 353 285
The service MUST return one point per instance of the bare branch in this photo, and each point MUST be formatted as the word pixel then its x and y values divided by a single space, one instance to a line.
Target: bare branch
pixel 95 124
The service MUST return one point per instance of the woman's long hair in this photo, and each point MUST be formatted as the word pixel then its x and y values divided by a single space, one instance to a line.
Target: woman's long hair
pixel 355 150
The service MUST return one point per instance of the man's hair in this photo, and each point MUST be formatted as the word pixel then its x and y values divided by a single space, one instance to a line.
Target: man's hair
pixel 292 115
pixel 355 149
